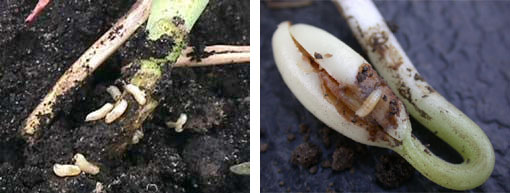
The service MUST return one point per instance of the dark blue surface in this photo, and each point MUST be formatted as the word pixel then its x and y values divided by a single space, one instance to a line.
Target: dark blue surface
pixel 462 50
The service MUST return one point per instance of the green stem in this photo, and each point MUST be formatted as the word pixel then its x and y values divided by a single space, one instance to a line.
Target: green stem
pixel 423 103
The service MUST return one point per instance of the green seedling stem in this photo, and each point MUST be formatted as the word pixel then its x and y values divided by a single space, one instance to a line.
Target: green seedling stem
pixel 423 103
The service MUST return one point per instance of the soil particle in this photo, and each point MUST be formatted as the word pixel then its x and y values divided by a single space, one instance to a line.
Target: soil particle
pixel 325 133
pixel 326 164
pixel 392 170
pixel 317 56
pixel 417 77
pixel 264 147
pixel 209 161
pixel 343 158
pixel 313 169
pixel 303 128
pixel 291 137
pixel 307 154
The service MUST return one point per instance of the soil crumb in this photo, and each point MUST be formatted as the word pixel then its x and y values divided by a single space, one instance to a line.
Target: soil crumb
pixel 343 158
pixel 313 169
pixel 307 154
pixel 264 147
pixel 291 137
pixel 325 133
pixel 392 170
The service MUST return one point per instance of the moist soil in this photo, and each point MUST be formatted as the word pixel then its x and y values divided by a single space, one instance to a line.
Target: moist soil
pixel 215 99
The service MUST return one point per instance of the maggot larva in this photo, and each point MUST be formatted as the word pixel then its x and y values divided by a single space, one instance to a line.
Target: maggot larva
pixel 137 93
pixel 117 111
pixel 99 113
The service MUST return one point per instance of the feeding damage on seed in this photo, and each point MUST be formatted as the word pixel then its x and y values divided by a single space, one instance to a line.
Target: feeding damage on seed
pixel 377 116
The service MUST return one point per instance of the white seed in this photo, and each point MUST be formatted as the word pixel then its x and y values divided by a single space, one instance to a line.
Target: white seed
pixel 114 92
pixel 84 165
pixel 99 113
pixel 66 170
pixel 117 111
pixel 137 136
pixel 137 93
pixel 369 103
pixel 179 123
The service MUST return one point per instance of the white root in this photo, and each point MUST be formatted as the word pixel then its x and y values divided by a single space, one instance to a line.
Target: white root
pixel 117 111
pixel 137 93
pixel 369 103
pixel 137 137
pixel 99 113
pixel 66 170
pixel 114 92
pixel 178 125
pixel 84 165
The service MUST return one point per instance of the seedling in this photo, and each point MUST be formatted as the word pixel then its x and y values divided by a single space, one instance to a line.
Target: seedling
pixel 342 90
pixel 168 20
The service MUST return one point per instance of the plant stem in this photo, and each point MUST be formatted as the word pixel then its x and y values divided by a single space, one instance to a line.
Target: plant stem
pixel 86 64
pixel 168 19
pixel 220 54
pixel 424 103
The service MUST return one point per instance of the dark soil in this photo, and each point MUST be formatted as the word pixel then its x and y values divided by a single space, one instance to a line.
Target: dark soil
pixel 215 99
pixel 393 170
pixel 343 158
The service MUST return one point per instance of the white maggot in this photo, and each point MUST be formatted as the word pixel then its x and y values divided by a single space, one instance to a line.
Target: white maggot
pixel 66 170
pixel 179 123
pixel 342 64
pixel 117 111
pixel 369 103
pixel 114 92
pixel 84 165
pixel 138 94
pixel 99 113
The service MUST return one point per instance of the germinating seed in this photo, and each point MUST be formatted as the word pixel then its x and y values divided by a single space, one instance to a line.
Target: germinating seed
pixel 178 124
pixel 114 92
pixel 117 111
pixel 85 166
pixel 138 94
pixel 99 113
pixel 66 170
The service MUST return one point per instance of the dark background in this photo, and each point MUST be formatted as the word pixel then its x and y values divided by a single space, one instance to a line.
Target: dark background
pixel 461 48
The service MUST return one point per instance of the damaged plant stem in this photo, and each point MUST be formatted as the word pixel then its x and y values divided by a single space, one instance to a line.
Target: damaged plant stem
pixel 341 89
pixel 171 20
pixel 423 103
